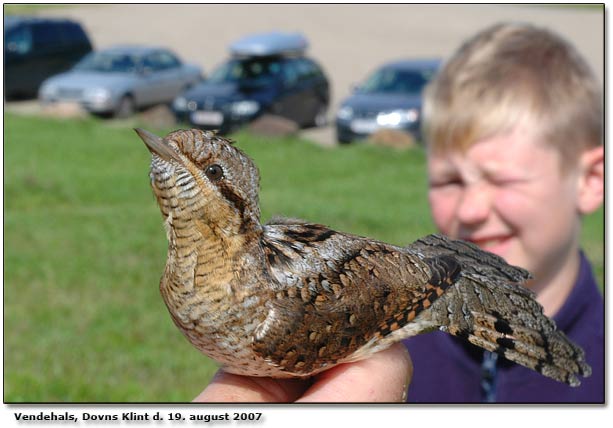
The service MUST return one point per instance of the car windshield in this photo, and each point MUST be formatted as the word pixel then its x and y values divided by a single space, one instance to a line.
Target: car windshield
pixel 393 80
pixel 251 71
pixel 108 62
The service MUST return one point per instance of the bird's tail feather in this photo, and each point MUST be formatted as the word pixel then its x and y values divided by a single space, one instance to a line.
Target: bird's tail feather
pixel 488 307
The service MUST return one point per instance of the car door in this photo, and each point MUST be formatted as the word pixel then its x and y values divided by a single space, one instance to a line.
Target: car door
pixel 175 73
pixel 17 55
pixel 294 99
pixel 47 52
pixel 34 52
pixel 153 89
pixel 315 90
pixel 161 74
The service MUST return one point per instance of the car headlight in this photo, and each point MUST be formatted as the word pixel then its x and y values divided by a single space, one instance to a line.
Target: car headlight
pixel 245 108
pixel 97 95
pixel 344 113
pixel 179 104
pixel 397 117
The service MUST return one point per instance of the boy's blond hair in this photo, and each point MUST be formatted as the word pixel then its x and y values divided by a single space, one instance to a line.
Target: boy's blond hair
pixel 512 74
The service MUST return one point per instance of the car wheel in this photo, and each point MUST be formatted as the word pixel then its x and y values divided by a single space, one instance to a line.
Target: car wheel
pixel 342 139
pixel 126 107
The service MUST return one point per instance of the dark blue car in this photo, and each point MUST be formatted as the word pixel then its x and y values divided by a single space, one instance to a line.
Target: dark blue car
pixel 36 48
pixel 266 73
pixel 391 98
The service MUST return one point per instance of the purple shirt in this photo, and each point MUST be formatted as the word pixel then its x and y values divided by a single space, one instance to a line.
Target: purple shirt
pixel 448 369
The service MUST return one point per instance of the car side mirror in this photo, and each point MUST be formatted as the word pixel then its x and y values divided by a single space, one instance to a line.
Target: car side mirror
pixel 355 87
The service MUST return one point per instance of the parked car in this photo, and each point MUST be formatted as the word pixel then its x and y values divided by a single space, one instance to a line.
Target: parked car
pixel 391 97
pixel 36 48
pixel 266 73
pixel 121 79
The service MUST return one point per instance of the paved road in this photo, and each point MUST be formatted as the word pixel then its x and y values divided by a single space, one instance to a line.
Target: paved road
pixel 348 40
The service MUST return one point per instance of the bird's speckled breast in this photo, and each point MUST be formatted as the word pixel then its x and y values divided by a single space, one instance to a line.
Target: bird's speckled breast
pixel 208 305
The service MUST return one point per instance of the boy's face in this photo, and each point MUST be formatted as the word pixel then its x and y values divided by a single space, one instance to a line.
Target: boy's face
pixel 507 194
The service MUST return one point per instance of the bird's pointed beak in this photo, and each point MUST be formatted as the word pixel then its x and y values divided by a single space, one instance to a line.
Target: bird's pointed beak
pixel 157 146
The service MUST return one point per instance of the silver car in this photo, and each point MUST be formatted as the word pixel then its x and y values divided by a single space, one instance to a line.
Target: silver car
pixel 121 79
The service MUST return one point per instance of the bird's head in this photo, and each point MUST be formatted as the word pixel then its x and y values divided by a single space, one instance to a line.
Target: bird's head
pixel 199 176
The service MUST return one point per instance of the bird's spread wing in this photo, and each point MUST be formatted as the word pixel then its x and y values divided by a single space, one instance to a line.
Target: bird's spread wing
pixel 338 293
pixel 340 296
pixel 488 308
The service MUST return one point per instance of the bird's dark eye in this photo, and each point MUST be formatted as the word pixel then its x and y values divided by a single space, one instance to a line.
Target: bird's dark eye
pixel 214 172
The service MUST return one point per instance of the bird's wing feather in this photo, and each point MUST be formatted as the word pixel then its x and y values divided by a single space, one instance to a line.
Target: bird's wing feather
pixel 487 307
pixel 336 292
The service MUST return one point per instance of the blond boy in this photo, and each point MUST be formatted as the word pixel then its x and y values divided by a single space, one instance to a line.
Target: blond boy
pixel 513 125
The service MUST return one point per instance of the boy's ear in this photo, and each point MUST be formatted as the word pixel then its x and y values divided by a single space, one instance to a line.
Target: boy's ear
pixel 591 180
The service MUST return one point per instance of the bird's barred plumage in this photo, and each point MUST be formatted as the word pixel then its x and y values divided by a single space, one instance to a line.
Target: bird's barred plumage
pixel 290 298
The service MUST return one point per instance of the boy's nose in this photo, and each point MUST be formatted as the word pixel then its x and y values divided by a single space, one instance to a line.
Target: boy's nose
pixel 474 205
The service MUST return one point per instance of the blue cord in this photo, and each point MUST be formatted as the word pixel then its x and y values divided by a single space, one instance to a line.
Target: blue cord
pixel 489 372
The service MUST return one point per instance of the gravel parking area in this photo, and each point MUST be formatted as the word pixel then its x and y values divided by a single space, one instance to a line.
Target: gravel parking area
pixel 348 40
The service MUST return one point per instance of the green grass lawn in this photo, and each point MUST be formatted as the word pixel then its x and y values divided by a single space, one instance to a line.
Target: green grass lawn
pixel 84 250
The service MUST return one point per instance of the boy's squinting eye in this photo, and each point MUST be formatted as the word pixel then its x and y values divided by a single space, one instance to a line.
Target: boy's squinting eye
pixel 445 182
pixel 501 180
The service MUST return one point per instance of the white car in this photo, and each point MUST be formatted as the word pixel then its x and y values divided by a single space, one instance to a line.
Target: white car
pixel 122 79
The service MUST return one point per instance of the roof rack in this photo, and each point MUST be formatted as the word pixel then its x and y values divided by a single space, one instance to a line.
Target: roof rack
pixel 269 44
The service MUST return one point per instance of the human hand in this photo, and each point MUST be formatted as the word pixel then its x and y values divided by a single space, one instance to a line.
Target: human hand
pixel 384 377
